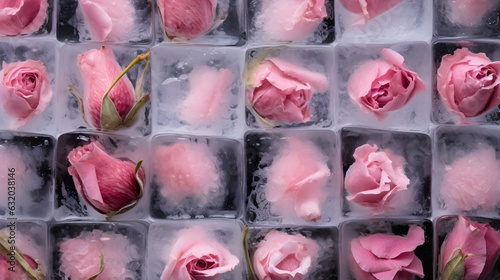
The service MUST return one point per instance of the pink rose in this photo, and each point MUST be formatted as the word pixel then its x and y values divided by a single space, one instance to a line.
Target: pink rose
pixel 99 69
pixel 185 169
pixel 471 182
pixel 481 241
pixel 384 85
pixel 368 9
pixel 22 16
pixel 281 91
pixel 295 180
pixel 468 83
pixel 24 91
pixel 292 20
pixel 104 182
pixel 198 256
pixel 284 256
pixel 81 256
pixel 468 12
pixel 108 20
pixel 31 254
pixel 187 19
pixel 386 256
pixel 375 178
pixel 207 96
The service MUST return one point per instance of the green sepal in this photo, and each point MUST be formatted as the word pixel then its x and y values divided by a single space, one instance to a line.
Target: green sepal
pixel 33 274
pixel 455 267
pixel 101 269
pixel 133 203
pixel 110 119
pixel 131 116
pixel 76 93
pixel 247 255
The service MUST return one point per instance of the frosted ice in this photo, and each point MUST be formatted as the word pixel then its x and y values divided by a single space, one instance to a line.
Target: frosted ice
pixel 172 86
pixel 68 203
pixel 221 200
pixel 415 115
pixel 410 20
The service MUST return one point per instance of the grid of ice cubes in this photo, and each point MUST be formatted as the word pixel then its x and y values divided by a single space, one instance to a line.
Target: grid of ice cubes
pixel 49 209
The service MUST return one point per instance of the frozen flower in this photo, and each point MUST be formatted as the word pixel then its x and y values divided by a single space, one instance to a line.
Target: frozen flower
pixel 468 83
pixel 291 20
pixel 198 256
pixel 83 257
pixel 368 9
pixel 108 184
pixel 384 85
pixel 468 12
pixel 387 256
pixel 24 90
pixel 207 96
pixel 186 169
pixel 22 16
pixel 295 180
pixel 477 247
pixel 105 105
pixel 187 19
pixel 280 91
pixel 471 181
pixel 375 178
pixel 108 20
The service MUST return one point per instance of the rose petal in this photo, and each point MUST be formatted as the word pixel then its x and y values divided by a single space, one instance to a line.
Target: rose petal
pixel 368 8
pixel 22 16
pixel 468 12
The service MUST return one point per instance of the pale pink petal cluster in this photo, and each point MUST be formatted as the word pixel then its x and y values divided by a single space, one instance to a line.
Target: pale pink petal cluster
pixel 291 20
pixel 99 68
pixel 196 255
pixel 24 90
pixel 468 83
pixel 375 178
pixel 208 95
pixel 285 256
pixel 471 181
pixel 186 169
pixel 81 256
pixel 387 256
pixel 296 180
pixel 368 9
pixel 104 182
pixel 468 12
pixel 479 240
pixel 281 91
pixel 187 19
pixel 384 85
pixel 108 20
pixel 22 16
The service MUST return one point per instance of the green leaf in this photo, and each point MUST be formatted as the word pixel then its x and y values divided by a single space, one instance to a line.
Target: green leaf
pixel 140 81
pixel 247 255
pixel 101 270
pixel 455 267
pixel 110 119
pixel 33 274
pixel 133 203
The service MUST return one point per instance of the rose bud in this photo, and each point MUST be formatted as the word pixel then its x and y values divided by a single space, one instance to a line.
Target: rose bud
pixel 108 20
pixel 24 90
pixel 468 84
pixel 110 185
pixel 280 91
pixel 198 256
pixel 387 256
pixel 109 100
pixel 291 20
pixel 384 85
pixel 375 178
pixel 187 19
pixel 368 9
pixel 295 180
pixel 470 249
pixel 284 256
pixel 22 16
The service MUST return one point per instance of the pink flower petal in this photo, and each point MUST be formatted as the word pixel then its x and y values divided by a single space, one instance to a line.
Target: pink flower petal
pixel 468 12
pixel 390 246
pixel 208 95
pixel 368 8
pixel 22 16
